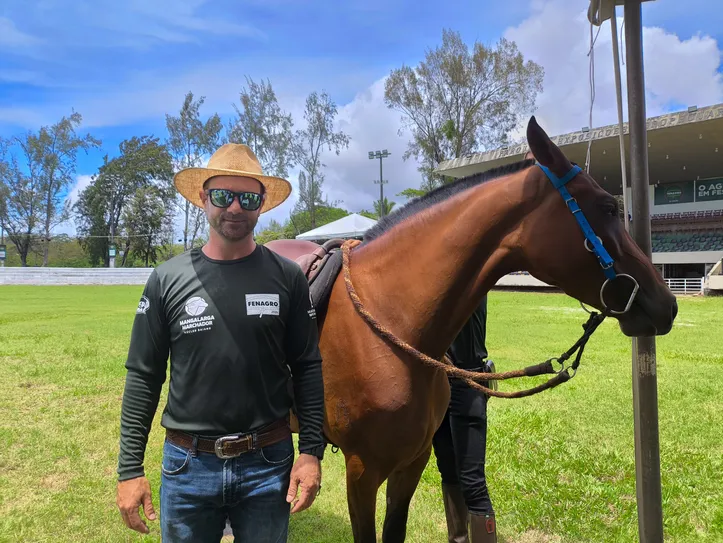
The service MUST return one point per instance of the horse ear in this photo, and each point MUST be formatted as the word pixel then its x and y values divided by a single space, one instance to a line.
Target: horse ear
pixel 544 151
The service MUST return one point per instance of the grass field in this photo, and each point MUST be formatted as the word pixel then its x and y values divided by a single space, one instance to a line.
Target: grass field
pixel 560 465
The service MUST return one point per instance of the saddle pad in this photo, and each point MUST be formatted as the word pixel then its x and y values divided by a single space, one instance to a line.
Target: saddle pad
pixel 320 286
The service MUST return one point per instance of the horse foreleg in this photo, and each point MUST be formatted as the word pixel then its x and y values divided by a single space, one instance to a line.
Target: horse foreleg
pixel 362 485
pixel 400 489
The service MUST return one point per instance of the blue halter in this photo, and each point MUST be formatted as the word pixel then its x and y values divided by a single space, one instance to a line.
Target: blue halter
pixel 605 260
pixel 592 242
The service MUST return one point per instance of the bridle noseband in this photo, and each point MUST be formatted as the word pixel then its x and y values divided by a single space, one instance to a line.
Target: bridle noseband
pixel 592 242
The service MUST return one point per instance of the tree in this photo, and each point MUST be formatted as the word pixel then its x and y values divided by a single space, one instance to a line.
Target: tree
pixel 21 210
pixel 457 102
pixel 369 214
pixel 303 221
pixel 412 193
pixel 54 150
pixel 310 196
pixel 264 127
pixel 275 230
pixel 319 114
pixel 189 141
pixel 143 162
pixel 147 223
pixel 298 223
pixel 376 215
pixel 387 208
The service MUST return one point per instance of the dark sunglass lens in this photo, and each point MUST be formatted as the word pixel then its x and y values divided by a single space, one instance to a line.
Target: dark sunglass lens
pixel 221 197
pixel 250 200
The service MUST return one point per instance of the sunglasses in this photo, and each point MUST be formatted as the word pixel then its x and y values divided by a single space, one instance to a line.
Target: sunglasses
pixel 250 201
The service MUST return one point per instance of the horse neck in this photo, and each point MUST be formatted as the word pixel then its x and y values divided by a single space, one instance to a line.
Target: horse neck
pixel 424 278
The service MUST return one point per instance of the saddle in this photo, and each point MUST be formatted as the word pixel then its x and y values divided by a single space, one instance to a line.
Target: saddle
pixel 319 263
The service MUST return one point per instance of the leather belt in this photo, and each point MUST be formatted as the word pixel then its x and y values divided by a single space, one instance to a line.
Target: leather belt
pixel 234 445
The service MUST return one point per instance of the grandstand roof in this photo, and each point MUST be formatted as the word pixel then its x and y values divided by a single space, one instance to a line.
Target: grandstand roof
pixel 685 145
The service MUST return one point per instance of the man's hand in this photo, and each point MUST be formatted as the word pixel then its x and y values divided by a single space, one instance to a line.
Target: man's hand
pixel 130 495
pixel 306 474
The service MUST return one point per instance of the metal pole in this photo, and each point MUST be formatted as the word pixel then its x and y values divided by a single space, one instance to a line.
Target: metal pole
pixel 381 155
pixel 619 95
pixel 645 395
pixel 381 188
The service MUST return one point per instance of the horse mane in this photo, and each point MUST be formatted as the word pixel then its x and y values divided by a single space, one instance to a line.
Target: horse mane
pixel 440 194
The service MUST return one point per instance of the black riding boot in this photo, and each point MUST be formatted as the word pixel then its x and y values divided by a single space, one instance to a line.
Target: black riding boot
pixel 456 512
pixel 482 528
pixel 468 425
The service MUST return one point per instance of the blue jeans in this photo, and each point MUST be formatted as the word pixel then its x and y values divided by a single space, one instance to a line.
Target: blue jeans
pixel 199 491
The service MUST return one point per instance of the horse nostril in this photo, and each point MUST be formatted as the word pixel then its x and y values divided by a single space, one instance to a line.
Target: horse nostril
pixel 674 310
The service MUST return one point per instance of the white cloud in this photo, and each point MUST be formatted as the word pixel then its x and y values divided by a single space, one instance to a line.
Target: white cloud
pixel 24 116
pixel 148 96
pixel 349 177
pixel 134 24
pixel 557 36
pixel 69 226
pixel 82 182
pixel 21 76
pixel 10 36
pixel 372 126
pixel 682 71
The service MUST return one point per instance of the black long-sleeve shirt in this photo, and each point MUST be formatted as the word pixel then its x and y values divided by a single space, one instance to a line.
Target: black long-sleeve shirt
pixel 237 331
pixel 468 350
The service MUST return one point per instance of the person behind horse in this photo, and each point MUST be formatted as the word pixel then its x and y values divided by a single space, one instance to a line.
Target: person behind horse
pixel 239 324
pixel 460 443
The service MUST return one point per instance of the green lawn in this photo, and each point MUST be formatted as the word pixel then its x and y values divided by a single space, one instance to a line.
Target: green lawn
pixel 560 464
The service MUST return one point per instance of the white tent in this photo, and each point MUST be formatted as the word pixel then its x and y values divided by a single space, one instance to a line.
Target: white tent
pixel 351 226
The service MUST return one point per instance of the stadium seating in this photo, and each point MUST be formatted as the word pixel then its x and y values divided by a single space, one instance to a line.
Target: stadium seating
pixel 699 240
pixel 687 215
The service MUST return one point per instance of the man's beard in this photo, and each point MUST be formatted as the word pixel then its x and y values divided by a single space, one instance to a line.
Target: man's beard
pixel 233 227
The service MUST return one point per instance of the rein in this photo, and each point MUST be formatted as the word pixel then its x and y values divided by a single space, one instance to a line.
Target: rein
pixel 470 377
pixel 592 243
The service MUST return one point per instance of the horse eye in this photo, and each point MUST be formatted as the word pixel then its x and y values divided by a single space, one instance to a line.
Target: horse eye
pixel 611 209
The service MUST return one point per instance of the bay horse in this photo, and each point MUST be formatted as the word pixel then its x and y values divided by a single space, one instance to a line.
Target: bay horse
pixel 422 270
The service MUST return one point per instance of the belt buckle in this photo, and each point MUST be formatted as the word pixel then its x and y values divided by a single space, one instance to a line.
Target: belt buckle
pixel 221 441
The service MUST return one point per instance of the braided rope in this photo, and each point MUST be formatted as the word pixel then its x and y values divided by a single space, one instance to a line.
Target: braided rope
pixel 469 377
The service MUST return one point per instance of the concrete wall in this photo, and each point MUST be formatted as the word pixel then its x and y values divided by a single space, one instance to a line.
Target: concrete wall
pixel 74 276
pixel 715 282
pixel 691 257
pixel 519 280
pixel 138 276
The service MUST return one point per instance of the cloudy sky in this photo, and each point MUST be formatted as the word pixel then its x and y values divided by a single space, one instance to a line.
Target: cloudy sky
pixel 124 65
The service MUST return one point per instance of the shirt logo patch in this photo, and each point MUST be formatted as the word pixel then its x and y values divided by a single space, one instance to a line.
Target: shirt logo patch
pixel 312 311
pixel 262 304
pixel 196 306
pixel 143 305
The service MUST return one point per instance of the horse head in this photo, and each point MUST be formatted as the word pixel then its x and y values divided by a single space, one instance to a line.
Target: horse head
pixel 587 252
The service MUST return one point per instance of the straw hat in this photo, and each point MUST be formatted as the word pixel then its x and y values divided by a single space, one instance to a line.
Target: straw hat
pixel 232 159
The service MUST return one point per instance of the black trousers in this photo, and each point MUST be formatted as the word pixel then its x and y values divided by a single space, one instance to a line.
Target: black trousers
pixel 460 445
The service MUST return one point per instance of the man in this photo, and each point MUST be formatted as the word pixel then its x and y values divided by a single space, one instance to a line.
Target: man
pixel 238 323
pixel 460 443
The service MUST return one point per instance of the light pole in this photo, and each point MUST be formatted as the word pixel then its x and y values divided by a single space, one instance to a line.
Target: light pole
pixel 2 244
pixel 381 155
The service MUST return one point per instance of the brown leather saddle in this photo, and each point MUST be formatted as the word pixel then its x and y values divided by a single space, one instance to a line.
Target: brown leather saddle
pixel 320 263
